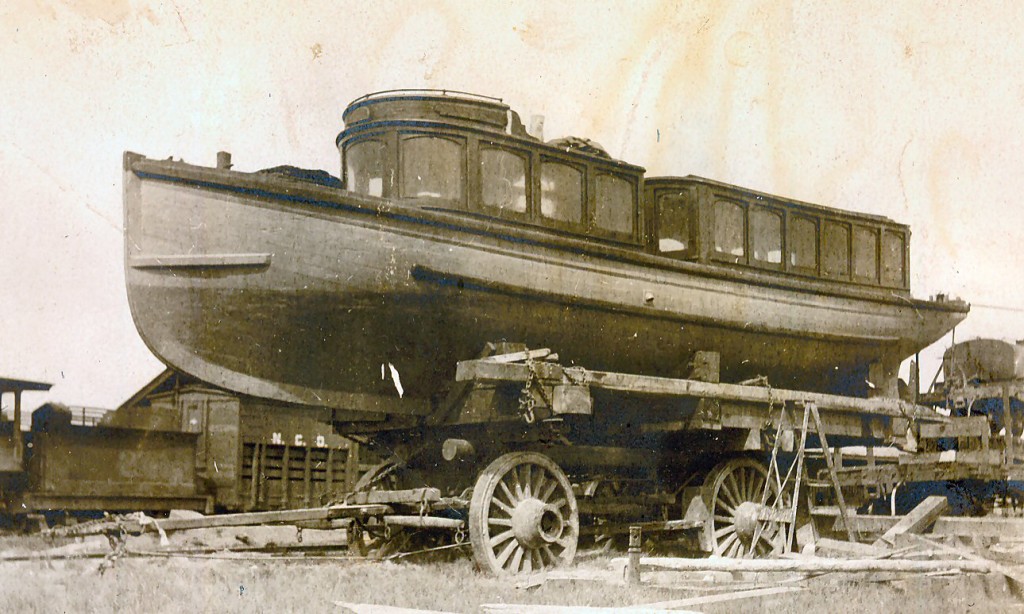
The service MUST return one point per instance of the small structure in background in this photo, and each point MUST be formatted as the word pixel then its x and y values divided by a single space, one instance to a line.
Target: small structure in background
pixel 11 440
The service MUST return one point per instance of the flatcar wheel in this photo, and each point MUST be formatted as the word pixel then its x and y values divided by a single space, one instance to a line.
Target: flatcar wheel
pixel 523 516
pixel 733 490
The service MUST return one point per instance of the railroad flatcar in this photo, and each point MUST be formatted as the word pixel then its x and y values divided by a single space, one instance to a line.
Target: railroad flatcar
pixel 178 444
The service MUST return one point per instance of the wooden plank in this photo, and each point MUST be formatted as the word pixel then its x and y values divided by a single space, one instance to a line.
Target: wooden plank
pixel 808 565
pixel 519 356
pixel 919 519
pixel 848 549
pixel 970 457
pixel 1013 576
pixel 373 608
pixel 413 495
pixel 971 426
pixel 729 597
pixel 646 384
pixel 503 608
pixel 979 527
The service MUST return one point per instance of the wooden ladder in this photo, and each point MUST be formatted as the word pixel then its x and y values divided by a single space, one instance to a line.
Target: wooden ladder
pixel 775 506
pixel 833 476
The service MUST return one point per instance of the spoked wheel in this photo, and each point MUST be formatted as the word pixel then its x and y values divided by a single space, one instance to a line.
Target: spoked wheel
pixel 733 492
pixel 523 515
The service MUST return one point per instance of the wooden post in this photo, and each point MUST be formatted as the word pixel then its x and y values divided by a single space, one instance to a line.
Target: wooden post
pixel 307 478
pixel 254 478
pixel 352 467
pixel 1008 424
pixel 633 567
pixel 262 488
pixel 16 436
pixel 329 475
pixel 286 484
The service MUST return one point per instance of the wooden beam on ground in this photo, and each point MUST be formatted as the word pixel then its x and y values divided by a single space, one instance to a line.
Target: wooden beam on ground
pixel 829 547
pixel 372 608
pixel 278 517
pixel 522 608
pixel 809 565
pixel 1014 577
pixel 979 527
pixel 919 519
pixel 729 597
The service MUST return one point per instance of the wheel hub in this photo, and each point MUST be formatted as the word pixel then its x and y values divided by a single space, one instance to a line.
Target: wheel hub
pixel 746 518
pixel 535 524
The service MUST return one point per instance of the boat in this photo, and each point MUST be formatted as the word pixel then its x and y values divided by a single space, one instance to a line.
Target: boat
pixel 452 226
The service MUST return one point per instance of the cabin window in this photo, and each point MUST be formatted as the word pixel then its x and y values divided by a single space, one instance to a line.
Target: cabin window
pixel 432 167
pixel 615 205
pixel 803 243
pixel 673 224
pixel 835 257
pixel 893 264
pixel 364 167
pixel 504 180
pixel 730 228
pixel 766 236
pixel 865 253
pixel 561 192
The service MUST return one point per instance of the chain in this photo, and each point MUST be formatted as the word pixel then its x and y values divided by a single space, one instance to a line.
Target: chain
pixel 526 400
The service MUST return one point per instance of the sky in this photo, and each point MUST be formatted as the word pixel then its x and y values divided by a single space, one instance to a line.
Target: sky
pixel 910 110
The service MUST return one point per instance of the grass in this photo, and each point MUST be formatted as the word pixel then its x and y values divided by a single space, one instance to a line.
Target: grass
pixel 211 585
pixel 177 584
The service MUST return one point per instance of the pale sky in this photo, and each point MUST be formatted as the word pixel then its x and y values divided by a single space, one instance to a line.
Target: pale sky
pixel 910 110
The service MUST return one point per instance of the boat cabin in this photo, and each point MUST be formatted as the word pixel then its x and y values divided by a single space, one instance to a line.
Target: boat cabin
pixel 467 153
pixel 692 218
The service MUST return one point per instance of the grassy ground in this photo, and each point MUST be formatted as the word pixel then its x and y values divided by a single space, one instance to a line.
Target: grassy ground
pixel 176 584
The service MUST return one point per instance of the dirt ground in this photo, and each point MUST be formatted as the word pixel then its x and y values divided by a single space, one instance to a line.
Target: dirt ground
pixel 222 582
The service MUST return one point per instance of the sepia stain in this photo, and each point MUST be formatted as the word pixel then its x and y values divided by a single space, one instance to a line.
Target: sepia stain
pixel 954 160
pixel 317 50
pixel 112 12
pixel 740 48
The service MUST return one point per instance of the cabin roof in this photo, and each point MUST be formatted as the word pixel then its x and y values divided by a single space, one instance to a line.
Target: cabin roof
pixel 10 384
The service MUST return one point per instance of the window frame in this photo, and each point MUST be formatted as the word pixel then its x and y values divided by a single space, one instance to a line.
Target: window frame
pixel 845 224
pixel 874 230
pixel 386 138
pixel 904 259
pixel 590 206
pixel 792 218
pixel 690 212
pixel 478 202
pixel 713 252
pixel 781 215
pixel 538 218
pixel 404 136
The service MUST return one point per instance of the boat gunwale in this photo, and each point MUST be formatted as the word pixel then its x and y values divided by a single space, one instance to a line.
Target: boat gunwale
pixel 281 188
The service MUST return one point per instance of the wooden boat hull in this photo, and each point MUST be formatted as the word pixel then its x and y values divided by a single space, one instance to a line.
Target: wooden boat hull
pixel 316 296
